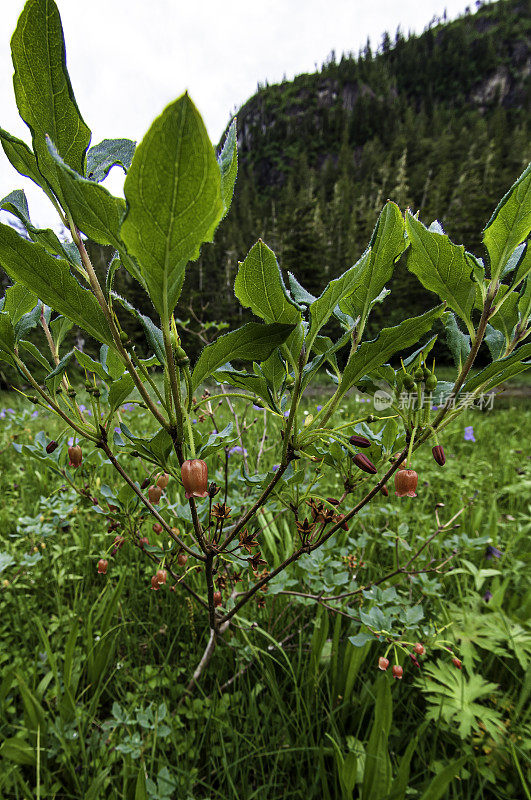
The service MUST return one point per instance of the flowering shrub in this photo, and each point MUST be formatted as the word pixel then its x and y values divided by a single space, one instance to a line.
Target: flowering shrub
pixel 177 190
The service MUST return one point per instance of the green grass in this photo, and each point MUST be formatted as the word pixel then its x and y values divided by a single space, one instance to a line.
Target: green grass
pixel 93 667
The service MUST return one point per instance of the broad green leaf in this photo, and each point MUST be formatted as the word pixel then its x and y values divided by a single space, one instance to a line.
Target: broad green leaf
pixel 259 286
pixel 299 293
pixel 228 167
pixel 371 355
pixel 108 154
pixel 387 244
pixel 16 204
pixel 28 322
pixel 322 309
pixel 140 788
pixel 50 279
pixel 23 160
pixel 89 364
pixel 252 342
pixel 43 92
pixel 36 353
pixel 173 192
pixel 54 377
pixel 506 317
pixel 495 341
pixel 19 301
pixel 154 337
pixel 7 334
pixel 112 362
pixel 245 380
pixel 524 267
pixel 441 267
pixel 120 390
pixel 59 327
pixel 497 372
pixel 510 224
pixel 439 784
pixel 524 303
pixel 457 341
pixel 95 211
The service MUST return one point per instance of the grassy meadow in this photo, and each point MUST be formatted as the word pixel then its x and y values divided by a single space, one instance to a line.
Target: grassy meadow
pixel 93 667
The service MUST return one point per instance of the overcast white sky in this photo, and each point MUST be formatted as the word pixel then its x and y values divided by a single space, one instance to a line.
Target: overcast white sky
pixel 128 59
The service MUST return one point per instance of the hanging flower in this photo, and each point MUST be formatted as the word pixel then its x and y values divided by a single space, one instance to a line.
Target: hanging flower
pixel 194 474
pixel 406 482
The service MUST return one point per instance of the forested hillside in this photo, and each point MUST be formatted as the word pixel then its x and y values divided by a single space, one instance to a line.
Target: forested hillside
pixel 436 122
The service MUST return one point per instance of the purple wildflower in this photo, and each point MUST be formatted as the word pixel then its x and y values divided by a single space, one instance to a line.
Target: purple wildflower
pixel 237 449
pixel 492 552
pixel 469 434
pixel 35 414
pixel 318 408
pixel 275 467
pixel 487 596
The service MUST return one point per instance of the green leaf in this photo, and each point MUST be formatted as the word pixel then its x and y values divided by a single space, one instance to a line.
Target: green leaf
pixel 377 773
pixel 108 154
pixel 506 318
pixel 510 224
pixel 23 160
pixel 244 380
pixel 322 309
pixel 36 353
pixel 457 341
pixel 19 301
pixel 111 362
pixel 401 781
pixel 154 337
pixel 59 327
pixel 441 267
pixel 498 371
pixel 371 355
pixel 299 293
pixel 57 373
pixel 50 279
pixel 7 334
pixel 120 390
pixel 252 342
pixel 18 750
pixel 228 167
pixel 16 204
pixel 140 788
pixel 387 245
pixel 173 192
pixel 89 364
pixel 259 286
pixel 95 211
pixel 442 780
pixel 28 321
pixel 43 92
pixel 495 341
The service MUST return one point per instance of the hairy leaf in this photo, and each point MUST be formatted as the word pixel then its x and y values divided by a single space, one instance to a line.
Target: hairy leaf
pixel 259 286
pixel 510 224
pixel 252 342
pixel 108 154
pixel 173 192
pixel 50 279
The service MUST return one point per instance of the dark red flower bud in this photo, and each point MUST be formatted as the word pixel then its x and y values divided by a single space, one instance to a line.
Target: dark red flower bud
pixel 360 441
pixel 119 541
pixel 338 519
pixel 456 662
pixel 157 527
pixel 154 494
pixel 419 649
pixel 414 659
pixel 163 480
pixel 438 454
pixel 143 541
pixel 398 672
pixel 217 598
pixel 51 446
pixel 75 454
pixel 385 491
pixel 162 576
pixel 383 663
pixel 194 474
pixel 145 483
pixel 155 583
pixel 102 566
pixel 333 501
pixel 406 482
pixel 182 558
pixel 364 463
